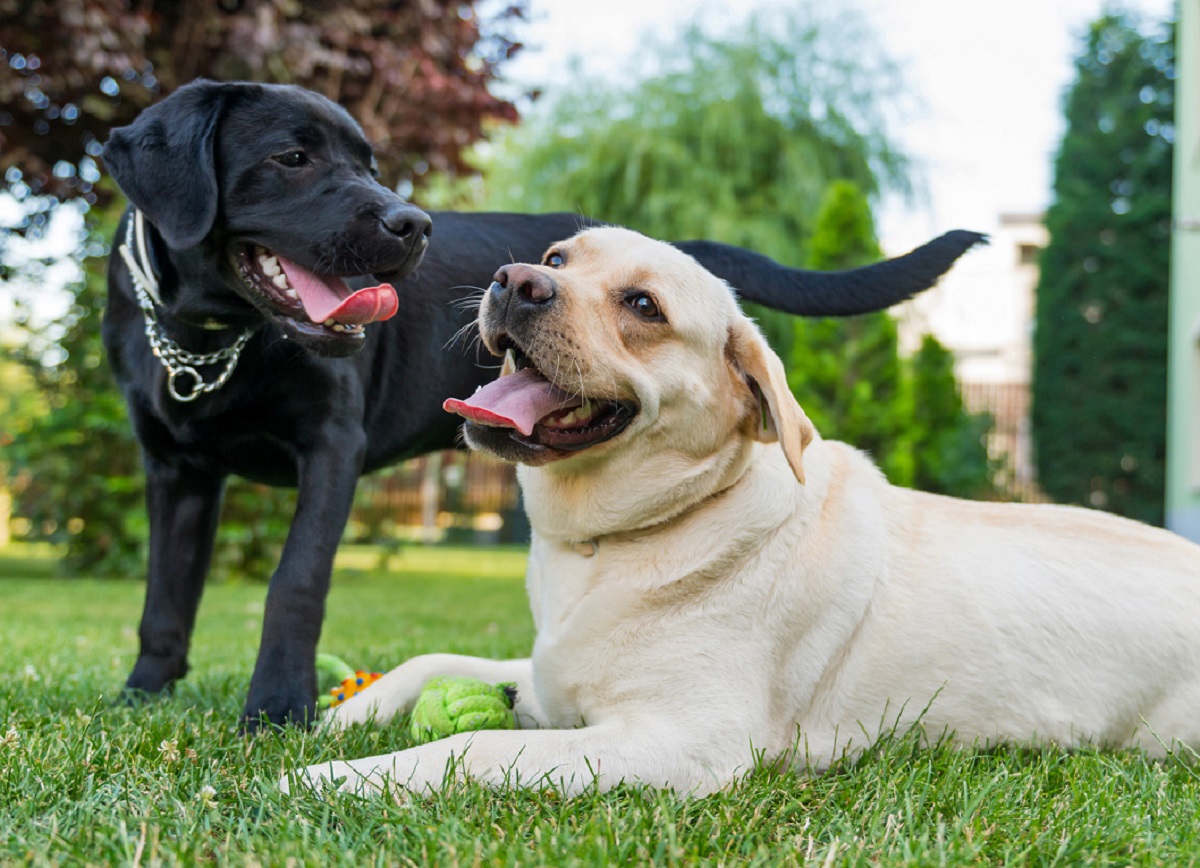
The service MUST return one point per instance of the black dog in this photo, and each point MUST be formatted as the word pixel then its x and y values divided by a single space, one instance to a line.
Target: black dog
pixel 227 368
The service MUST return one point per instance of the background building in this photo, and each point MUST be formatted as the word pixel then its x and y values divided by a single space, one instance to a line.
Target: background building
pixel 983 312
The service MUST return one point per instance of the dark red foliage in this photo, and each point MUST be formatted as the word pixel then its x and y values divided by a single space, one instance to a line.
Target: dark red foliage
pixel 415 73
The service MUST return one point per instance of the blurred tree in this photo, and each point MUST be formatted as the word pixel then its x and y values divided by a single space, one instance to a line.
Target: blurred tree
pixel 415 75
pixel 949 443
pixel 772 139
pixel 847 372
pixel 733 138
pixel 71 458
pixel 1100 349
pixel 20 400
pixel 74 465
pixel 852 382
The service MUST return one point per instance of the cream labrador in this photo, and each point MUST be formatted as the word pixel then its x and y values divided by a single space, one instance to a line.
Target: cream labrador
pixel 714 585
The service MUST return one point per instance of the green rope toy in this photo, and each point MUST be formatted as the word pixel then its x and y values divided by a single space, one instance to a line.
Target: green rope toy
pixel 449 705
pixel 446 706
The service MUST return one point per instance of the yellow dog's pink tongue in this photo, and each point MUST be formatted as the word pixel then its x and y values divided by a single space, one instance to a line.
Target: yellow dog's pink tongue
pixel 328 297
pixel 519 400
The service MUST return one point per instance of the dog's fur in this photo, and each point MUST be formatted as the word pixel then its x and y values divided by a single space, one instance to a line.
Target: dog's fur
pixel 704 596
pixel 214 169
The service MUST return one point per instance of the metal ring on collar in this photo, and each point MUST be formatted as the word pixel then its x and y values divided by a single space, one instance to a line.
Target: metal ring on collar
pixel 197 385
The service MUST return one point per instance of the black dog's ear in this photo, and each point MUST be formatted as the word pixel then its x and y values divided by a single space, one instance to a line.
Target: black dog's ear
pixel 163 162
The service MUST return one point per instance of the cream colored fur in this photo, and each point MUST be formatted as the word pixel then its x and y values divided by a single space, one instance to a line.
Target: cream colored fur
pixel 731 613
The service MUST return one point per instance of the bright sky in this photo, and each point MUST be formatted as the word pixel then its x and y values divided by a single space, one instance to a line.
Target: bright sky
pixel 991 76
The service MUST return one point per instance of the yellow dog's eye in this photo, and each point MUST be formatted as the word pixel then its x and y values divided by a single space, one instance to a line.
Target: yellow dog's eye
pixel 555 260
pixel 643 305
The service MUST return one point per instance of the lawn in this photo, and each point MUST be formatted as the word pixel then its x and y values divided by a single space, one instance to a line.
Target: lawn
pixel 84 779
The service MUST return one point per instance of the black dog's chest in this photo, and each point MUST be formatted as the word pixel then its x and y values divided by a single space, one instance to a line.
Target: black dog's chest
pixel 257 426
pixel 258 456
pixel 242 442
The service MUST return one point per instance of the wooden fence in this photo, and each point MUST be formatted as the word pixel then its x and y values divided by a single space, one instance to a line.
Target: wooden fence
pixel 444 495
pixel 1009 443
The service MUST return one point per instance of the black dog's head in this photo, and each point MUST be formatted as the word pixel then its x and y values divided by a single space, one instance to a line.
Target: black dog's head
pixel 274 187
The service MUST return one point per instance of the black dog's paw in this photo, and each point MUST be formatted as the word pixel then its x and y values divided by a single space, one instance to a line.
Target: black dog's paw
pixel 133 697
pixel 153 675
pixel 276 712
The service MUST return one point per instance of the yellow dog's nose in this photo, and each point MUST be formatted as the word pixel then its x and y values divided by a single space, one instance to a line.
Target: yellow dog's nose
pixel 525 283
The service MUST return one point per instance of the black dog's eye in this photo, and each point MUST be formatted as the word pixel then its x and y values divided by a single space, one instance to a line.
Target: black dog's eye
pixel 555 260
pixel 644 305
pixel 291 159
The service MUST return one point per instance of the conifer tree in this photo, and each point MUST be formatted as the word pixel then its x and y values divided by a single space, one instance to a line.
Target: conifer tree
pixel 1100 349
pixel 851 380
pixel 948 443
pixel 847 372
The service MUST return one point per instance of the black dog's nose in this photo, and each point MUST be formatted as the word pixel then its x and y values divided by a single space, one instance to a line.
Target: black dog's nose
pixel 406 221
pixel 530 285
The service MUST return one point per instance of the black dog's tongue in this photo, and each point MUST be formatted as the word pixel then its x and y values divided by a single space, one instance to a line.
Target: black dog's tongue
pixel 328 297
pixel 519 400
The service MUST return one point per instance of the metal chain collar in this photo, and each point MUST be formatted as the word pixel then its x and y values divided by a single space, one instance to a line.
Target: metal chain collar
pixel 177 361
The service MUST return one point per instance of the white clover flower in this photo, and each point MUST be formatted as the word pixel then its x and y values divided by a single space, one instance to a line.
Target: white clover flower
pixel 207 797
pixel 169 749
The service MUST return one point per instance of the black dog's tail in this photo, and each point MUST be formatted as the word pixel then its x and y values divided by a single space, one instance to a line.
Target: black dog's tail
pixel 762 280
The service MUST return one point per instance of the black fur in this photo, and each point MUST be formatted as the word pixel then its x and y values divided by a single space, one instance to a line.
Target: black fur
pixel 315 411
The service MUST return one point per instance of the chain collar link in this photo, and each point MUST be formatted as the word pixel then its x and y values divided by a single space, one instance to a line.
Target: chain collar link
pixel 178 362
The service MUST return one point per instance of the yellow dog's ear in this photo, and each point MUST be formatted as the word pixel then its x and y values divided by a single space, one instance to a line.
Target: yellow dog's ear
pixel 779 417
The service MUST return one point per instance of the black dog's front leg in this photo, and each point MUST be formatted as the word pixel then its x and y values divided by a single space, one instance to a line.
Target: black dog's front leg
pixel 183 505
pixel 284 686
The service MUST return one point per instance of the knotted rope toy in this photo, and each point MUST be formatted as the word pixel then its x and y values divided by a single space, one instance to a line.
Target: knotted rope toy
pixel 447 705
pixel 450 705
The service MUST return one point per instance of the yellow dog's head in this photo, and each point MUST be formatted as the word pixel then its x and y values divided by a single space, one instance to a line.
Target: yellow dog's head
pixel 628 368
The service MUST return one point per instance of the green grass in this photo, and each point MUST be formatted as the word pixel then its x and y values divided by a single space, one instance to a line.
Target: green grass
pixel 85 780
